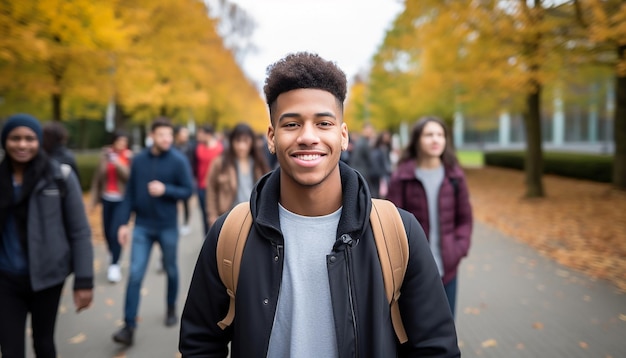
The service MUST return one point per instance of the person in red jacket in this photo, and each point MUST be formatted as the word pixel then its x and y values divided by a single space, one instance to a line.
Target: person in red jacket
pixel 107 188
pixel 429 183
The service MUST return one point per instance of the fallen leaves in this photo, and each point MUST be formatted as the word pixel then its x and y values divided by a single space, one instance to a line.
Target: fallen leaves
pixel 538 326
pixel 578 224
pixel 489 343
pixel 79 338
pixel 472 311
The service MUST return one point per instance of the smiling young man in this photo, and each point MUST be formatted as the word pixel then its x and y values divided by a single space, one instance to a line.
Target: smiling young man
pixel 310 281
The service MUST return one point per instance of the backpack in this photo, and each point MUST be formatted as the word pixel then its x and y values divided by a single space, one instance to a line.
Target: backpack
pixel 66 169
pixel 389 234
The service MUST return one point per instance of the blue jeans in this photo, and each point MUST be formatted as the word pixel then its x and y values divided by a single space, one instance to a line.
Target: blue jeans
pixel 143 238
pixel 450 288
pixel 202 202
pixel 111 221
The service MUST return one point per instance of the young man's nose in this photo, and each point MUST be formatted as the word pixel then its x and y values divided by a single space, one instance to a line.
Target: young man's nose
pixel 308 134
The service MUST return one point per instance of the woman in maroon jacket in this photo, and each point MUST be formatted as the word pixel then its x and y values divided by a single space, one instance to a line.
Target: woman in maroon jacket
pixel 429 183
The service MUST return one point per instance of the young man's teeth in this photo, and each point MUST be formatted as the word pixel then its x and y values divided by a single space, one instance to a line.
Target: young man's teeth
pixel 308 157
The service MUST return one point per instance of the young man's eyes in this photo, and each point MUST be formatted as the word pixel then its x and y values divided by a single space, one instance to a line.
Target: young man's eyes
pixel 324 124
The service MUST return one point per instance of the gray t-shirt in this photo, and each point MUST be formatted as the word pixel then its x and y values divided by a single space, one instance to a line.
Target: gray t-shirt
pixel 303 324
pixel 432 179
pixel 245 182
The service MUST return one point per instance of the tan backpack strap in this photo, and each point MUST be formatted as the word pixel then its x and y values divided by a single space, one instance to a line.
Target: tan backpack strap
pixel 230 245
pixel 393 252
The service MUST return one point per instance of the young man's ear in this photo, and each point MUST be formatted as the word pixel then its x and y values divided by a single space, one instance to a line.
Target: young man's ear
pixel 270 139
pixel 345 137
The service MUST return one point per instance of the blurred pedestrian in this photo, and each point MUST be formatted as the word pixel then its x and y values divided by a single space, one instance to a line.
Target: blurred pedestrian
pixel 380 168
pixel 185 146
pixel 159 178
pixel 361 155
pixel 54 143
pixel 208 148
pixel 430 183
pixel 261 143
pixel 234 173
pixel 108 187
pixel 45 236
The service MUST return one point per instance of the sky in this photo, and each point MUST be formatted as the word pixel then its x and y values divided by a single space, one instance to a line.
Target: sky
pixel 347 32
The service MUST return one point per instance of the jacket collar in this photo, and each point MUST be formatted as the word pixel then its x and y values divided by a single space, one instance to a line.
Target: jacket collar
pixel 354 214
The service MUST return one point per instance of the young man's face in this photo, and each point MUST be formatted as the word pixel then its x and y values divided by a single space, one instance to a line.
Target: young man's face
pixel 163 137
pixel 308 135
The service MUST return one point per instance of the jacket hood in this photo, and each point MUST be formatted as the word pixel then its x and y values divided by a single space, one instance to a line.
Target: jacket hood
pixel 356 204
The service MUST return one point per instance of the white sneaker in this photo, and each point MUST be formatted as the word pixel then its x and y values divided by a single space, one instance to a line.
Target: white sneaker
pixel 185 230
pixel 114 273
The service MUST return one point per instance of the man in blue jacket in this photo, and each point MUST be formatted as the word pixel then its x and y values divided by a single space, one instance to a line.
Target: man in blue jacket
pixel 310 280
pixel 159 178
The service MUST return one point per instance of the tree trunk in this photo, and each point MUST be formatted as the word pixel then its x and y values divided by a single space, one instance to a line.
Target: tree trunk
pixel 533 165
pixel 84 138
pixel 56 107
pixel 619 126
pixel 57 77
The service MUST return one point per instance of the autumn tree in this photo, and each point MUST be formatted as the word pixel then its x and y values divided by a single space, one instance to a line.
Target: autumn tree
pixel 177 66
pixel 156 57
pixel 477 57
pixel 604 42
pixel 54 48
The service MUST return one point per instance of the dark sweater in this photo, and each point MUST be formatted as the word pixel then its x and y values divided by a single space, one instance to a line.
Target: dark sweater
pixel 172 169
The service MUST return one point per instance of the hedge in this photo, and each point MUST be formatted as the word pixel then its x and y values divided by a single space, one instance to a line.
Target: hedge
pixel 593 167
pixel 87 164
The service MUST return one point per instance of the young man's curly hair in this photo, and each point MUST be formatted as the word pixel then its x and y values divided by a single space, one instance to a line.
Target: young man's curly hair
pixel 304 70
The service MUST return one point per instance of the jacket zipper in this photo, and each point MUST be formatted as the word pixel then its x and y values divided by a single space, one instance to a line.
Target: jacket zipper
pixel 348 252
pixel 279 250
pixel 153 172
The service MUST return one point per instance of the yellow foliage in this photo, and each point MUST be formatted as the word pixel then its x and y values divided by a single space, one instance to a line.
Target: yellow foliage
pixel 154 57
pixel 483 56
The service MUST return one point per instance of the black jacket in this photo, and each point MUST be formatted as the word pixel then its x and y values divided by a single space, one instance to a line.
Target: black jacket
pixel 360 307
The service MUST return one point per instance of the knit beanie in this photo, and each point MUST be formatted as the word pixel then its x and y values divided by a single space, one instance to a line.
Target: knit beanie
pixel 21 120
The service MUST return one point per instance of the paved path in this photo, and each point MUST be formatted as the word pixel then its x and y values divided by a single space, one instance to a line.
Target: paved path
pixel 516 303
pixel 512 303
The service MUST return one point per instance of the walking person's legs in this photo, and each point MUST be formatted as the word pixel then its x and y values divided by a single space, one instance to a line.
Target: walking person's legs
pixel 139 257
pixel 202 202
pixel 111 221
pixel 168 240
pixel 185 229
pixel 44 306
pixel 450 288
pixel 13 310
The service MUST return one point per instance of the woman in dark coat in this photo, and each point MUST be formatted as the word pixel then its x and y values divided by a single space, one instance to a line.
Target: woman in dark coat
pixel 429 183
pixel 44 236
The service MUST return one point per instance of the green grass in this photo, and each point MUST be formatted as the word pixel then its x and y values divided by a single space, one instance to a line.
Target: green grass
pixel 471 158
